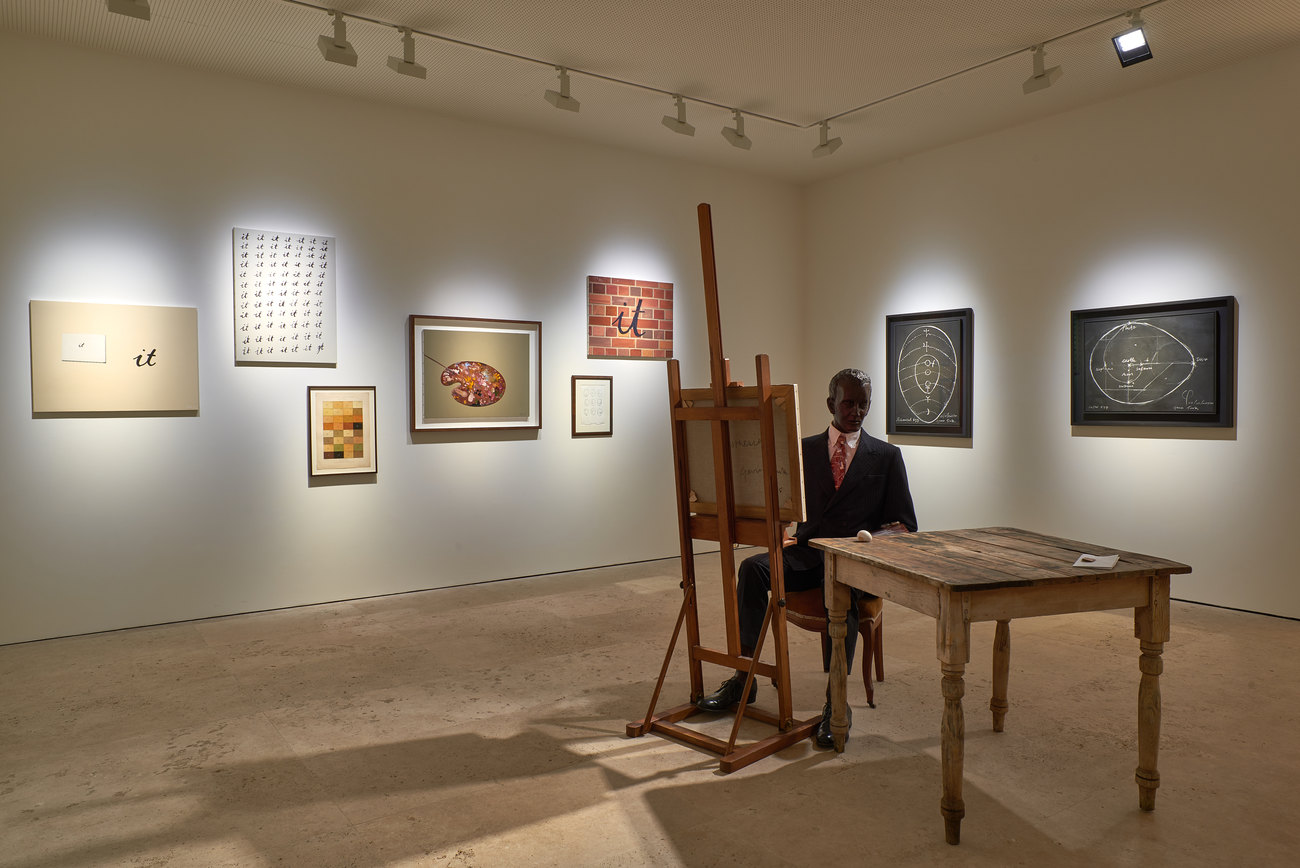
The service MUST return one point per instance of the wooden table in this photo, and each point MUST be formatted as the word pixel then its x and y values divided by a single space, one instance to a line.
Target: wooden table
pixel 996 574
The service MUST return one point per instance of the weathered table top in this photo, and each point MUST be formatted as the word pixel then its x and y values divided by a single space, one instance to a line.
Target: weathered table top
pixel 988 558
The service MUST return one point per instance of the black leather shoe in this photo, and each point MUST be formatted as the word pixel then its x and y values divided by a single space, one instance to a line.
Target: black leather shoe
pixel 727 695
pixel 824 738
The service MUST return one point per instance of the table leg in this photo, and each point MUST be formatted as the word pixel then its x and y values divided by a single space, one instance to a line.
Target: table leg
pixel 837 612
pixel 1151 625
pixel 1148 779
pixel 953 739
pixel 1001 672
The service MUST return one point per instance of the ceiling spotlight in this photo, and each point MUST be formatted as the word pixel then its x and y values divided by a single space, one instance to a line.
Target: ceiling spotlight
pixel 737 135
pixel 337 49
pixel 826 148
pixel 1131 45
pixel 1042 78
pixel 133 8
pixel 406 64
pixel 561 99
pixel 678 124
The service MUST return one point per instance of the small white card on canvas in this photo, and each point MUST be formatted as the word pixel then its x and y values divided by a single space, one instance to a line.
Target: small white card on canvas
pixel 84 348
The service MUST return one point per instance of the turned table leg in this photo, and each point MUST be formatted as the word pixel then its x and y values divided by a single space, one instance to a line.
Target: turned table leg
pixel 953 740
pixel 1001 672
pixel 1151 626
pixel 1148 779
pixel 837 611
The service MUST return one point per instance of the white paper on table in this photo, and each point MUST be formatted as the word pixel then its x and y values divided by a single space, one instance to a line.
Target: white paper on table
pixel 1101 562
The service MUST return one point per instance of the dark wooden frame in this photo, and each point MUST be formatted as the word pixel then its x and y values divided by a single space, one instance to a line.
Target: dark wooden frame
pixel 417 322
pixel 313 422
pixel 573 392
pixel 957 326
pixel 1205 332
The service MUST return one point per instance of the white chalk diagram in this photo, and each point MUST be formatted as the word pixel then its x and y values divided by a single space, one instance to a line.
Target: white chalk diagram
pixel 1138 363
pixel 927 373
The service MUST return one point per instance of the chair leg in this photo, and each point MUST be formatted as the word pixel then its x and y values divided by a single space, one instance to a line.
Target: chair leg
pixel 868 651
pixel 879 636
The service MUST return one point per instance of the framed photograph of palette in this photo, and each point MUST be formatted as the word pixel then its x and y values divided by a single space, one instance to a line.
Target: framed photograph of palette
pixel 593 406
pixel 474 374
pixel 340 430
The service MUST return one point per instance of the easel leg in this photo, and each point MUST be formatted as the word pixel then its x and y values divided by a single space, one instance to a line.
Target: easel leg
pixel 640 727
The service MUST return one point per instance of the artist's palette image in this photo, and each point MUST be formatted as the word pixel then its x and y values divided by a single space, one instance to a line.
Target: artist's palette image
pixel 474 384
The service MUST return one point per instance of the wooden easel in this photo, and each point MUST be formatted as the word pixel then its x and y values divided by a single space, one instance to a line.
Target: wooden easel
pixel 727 529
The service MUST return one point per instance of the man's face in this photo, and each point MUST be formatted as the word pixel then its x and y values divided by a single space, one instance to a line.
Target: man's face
pixel 849 405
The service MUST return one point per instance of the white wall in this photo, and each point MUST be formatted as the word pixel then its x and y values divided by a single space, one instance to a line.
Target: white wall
pixel 123 179
pixel 1180 192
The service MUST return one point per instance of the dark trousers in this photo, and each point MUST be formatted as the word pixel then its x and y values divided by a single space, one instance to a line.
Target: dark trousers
pixel 754 586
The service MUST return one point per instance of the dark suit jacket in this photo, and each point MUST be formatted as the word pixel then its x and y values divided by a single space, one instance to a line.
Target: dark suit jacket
pixel 873 494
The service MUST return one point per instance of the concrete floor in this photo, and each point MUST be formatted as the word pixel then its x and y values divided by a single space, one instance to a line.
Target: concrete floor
pixel 484 726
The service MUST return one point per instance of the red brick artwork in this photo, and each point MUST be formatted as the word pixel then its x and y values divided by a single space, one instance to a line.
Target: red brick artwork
pixel 629 319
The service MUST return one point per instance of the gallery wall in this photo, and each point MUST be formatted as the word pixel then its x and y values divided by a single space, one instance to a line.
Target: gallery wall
pixel 1180 192
pixel 125 177
pixel 123 181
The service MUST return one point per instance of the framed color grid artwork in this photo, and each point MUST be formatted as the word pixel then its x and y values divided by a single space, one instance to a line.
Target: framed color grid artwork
pixel 284 298
pixel 928 376
pixel 1168 364
pixel 593 406
pixel 341 430
pixel 469 374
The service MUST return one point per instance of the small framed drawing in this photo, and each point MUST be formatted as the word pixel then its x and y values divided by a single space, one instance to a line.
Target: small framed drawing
pixel 593 406
pixel 340 430
pixel 929 365
pixel 469 374
pixel 1167 364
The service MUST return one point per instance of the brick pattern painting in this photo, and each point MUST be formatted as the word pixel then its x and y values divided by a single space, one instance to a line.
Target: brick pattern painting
pixel 629 319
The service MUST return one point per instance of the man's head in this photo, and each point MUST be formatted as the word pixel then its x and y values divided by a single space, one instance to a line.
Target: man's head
pixel 849 399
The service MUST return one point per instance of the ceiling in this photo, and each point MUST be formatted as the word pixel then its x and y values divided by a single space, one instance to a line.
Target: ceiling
pixel 928 72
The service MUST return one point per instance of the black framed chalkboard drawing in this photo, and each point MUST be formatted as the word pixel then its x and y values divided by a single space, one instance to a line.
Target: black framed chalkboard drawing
pixel 1168 364
pixel 929 373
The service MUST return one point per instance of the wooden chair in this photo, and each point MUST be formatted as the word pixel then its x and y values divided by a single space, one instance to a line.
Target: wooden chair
pixel 807 609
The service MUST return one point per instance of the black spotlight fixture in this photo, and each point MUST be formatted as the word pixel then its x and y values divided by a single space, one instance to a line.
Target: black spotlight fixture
pixel 1131 45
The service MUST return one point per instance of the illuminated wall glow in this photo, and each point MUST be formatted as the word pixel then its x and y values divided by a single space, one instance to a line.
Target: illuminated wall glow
pixel 1147 273
pixel 156 519
pixel 950 228
pixel 102 263
pixel 930 284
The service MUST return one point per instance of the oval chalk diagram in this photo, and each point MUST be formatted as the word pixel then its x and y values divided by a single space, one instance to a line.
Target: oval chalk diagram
pixel 927 372
pixel 474 384
pixel 1139 363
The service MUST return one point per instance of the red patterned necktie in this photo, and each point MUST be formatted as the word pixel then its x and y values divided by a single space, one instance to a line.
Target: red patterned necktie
pixel 838 461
